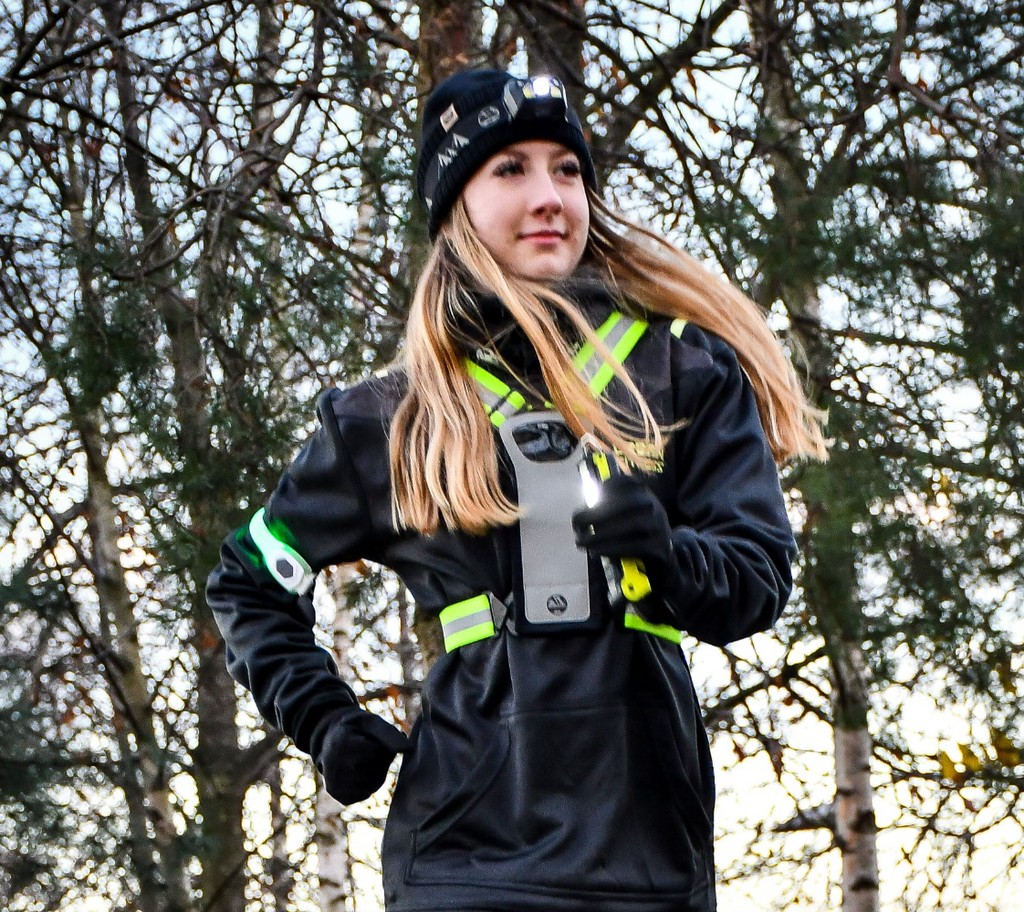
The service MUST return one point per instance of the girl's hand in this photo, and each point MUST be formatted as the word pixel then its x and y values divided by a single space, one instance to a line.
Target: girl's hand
pixel 355 752
pixel 628 521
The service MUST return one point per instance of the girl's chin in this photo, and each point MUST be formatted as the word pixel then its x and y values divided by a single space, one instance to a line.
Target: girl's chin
pixel 546 271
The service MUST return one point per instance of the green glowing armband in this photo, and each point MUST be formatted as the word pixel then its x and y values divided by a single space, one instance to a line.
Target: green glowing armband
pixel 285 564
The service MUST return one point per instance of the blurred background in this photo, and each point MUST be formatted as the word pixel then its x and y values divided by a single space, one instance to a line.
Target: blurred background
pixel 206 217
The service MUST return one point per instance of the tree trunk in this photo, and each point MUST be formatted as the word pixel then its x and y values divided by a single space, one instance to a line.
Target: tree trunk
pixel 163 879
pixel 855 816
pixel 280 871
pixel 334 861
pixel 450 40
pixel 408 656
pixel 221 788
pixel 553 34
pixel 156 859
pixel 829 570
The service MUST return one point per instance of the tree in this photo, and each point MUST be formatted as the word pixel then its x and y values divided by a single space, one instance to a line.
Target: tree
pixel 208 216
pixel 850 175
pixel 166 300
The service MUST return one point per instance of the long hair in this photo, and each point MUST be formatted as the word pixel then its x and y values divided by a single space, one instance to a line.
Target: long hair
pixel 444 463
pixel 666 280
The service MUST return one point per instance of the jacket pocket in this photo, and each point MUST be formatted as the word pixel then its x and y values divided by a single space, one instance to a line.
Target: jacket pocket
pixel 458 805
pixel 571 800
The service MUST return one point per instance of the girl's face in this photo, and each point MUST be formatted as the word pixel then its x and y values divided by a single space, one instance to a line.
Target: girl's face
pixel 528 204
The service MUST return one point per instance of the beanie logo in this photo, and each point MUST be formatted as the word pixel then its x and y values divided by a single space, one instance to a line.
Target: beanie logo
pixel 488 116
pixel 444 159
pixel 449 117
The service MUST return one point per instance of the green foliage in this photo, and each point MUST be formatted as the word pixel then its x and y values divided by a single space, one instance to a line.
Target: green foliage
pixel 179 281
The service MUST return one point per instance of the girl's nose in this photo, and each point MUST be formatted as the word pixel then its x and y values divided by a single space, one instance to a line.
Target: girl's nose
pixel 545 197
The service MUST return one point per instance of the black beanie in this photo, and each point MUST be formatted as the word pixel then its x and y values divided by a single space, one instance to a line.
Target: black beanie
pixel 473 115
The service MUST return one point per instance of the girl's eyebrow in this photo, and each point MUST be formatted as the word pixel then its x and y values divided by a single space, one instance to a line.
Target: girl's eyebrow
pixel 518 153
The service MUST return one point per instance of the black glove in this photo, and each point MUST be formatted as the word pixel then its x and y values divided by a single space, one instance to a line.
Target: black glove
pixel 628 521
pixel 353 749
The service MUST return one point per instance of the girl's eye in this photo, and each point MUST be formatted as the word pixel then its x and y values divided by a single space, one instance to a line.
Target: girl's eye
pixel 508 167
pixel 569 167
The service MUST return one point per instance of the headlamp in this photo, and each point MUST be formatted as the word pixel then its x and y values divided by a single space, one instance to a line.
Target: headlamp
pixel 543 86
pixel 537 97
pixel 533 108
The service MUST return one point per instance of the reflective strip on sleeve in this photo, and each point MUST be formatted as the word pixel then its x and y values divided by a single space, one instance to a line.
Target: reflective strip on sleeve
pixel 634 622
pixel 466 622
pixel 677 327
pixel 285 564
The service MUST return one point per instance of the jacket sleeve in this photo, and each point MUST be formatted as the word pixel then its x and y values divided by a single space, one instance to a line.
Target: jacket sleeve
pixel 731 533
pixel 318 510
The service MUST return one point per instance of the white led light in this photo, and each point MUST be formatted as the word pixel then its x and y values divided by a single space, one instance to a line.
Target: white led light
pixel 591 486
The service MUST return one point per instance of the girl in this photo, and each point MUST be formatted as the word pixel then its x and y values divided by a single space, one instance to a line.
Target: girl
pixel 575 463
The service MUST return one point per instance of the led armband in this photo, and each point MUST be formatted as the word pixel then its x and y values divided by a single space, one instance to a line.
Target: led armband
pixel 285 564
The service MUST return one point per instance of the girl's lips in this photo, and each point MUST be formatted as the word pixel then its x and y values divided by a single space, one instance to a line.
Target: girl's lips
pixel 543 236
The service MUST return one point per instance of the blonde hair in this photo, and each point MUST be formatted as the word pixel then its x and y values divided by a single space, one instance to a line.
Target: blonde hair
pixel 444 462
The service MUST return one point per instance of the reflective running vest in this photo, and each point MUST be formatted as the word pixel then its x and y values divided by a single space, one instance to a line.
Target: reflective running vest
pixel 481 617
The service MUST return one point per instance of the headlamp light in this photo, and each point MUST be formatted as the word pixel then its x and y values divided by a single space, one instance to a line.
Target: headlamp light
pixel 534 98
pixel 542 87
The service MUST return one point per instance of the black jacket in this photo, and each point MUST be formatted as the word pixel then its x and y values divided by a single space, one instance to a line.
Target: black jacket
pixel 562 772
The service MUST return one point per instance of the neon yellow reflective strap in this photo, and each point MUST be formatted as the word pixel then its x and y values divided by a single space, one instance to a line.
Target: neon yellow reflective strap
pixel 466 622
pixel 285 564
pixel 500 401
pixel 622 349
pixel 624 332
pixel 677 327
pixel 628 340
pixel 486 379
pixel 471 620
pixel 634 622
pixel 587 351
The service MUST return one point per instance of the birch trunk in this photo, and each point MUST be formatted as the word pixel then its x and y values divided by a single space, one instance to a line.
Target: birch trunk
pixel 408 655
pixel 221 789
pixel 855 816
pixel 152 838
pixel 830 577
pixel 280 871
pixel 332 830
pixel 334 862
